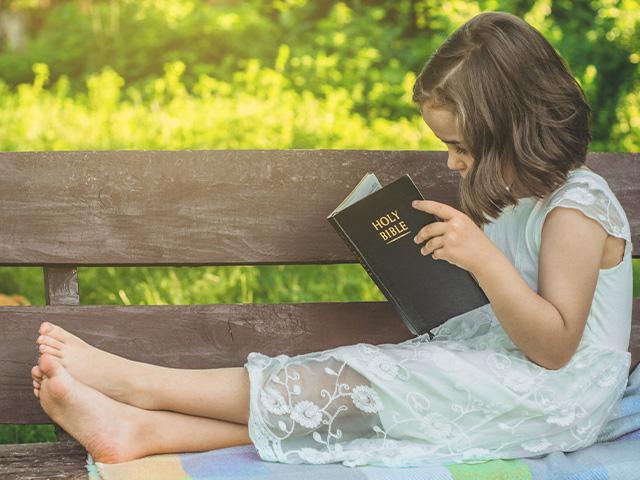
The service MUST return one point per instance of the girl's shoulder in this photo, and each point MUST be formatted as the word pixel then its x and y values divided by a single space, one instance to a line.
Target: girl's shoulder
pixel 590 193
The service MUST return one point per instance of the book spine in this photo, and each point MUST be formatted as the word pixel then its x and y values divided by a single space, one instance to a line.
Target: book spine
pixel 372 274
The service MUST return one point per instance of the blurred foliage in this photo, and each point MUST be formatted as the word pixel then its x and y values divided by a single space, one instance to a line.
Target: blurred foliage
pixel 369 50
pixel 226 74
pixel 256 109
pixel 27 433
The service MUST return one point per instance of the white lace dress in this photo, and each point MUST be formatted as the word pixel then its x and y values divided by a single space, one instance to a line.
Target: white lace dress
pixel 469 394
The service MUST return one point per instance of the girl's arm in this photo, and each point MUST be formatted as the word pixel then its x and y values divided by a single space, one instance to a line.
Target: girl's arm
pixel 547 326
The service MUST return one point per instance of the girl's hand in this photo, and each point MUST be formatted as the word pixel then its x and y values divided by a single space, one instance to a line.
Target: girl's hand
pixel 456 239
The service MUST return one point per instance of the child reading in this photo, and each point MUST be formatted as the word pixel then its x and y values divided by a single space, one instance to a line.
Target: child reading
pixel 536 370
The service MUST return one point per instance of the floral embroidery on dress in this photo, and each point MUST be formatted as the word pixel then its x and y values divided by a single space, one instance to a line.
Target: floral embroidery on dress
pixel 417 402
pixel 273 401
pixel 449 435
pixel 315 456
pixel 467 394
pixel 566 415
pixel 436 426
pixel 518 381
pixel 366 399
pixel 307 414
pixel 388 370
pixel 609 376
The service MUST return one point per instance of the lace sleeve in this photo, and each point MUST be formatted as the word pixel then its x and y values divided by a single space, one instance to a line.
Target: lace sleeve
pixel 596 201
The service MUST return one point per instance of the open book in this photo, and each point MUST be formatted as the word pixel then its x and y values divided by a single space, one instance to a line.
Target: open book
pixel 378 224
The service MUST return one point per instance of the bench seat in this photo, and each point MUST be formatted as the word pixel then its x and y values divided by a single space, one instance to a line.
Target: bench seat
pixel 31 461
pixel 67 459
pixel 62 210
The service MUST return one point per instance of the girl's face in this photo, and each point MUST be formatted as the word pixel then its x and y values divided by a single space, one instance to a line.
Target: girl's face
pixel 442 124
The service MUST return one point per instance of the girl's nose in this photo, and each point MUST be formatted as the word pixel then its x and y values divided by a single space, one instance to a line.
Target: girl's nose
pixel 453 164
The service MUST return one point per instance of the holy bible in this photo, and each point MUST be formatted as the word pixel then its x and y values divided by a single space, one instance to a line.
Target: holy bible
pixel 378 224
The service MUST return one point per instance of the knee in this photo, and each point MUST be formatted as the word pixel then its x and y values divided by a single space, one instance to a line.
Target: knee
pixel 309 396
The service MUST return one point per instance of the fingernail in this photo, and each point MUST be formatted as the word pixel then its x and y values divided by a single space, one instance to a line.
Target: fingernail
pixel 415 239
pixel 414 203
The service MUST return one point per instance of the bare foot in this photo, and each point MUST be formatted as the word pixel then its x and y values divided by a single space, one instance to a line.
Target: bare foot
pixel 107 429
pixel 110 374
pixel 36 375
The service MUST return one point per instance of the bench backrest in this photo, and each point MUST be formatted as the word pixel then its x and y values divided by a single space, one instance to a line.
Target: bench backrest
pixel 63 209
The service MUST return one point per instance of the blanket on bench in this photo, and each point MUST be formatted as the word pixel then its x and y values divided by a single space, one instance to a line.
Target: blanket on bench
pixel 614 455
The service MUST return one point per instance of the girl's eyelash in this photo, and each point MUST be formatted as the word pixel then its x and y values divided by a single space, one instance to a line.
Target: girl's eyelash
pixel 461 151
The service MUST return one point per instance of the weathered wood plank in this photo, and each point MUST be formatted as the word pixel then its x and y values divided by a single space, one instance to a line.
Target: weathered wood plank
pixel 211 207
pixel 194 336
pixel 184 336
pixel 61 288
pixel 43 461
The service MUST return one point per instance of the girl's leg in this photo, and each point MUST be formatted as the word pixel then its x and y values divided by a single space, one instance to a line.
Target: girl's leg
pixel 115 432
pixel 221 393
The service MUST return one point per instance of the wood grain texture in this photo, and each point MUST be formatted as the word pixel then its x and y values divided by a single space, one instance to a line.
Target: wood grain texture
pixel 61 288
pixel 43 461
pixel 184 336
pixel 61 210
pixel 214 207
pixel 194 336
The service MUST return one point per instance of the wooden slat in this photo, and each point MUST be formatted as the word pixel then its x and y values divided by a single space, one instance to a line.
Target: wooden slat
pixel 61 288
pixel 194 336
pixel 211 207
pixel 184 336
pixel 43 461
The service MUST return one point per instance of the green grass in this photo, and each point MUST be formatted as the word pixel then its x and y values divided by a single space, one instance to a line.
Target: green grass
pixel 12 433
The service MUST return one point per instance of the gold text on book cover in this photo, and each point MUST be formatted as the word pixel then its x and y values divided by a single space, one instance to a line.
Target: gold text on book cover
pixel 390 227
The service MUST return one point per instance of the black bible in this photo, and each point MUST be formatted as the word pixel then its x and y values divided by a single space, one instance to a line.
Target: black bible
pixel 378 224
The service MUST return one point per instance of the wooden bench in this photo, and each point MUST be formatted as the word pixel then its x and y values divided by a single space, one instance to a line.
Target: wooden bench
pixel 64 209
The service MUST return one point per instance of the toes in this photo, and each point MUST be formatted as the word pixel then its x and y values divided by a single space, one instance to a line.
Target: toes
pixel 45 327
pixel 54 331
pixel 50 341
pixel 58 384
pixel 49 364
pixel 36 388
pixel 50 350
pixel 36 373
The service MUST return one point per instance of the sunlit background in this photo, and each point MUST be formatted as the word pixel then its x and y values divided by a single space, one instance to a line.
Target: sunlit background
pixel 141 74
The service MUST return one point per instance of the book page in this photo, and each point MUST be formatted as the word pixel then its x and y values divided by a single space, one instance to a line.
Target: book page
pixel 367 185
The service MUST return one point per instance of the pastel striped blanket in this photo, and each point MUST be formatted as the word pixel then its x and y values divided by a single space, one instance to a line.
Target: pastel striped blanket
pixel 615 455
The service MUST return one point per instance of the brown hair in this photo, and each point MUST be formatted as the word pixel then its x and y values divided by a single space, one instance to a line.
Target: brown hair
pixel 520 111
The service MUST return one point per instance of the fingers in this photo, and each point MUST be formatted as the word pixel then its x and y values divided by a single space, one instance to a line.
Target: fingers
pixel 432 245
pixel 431 230
pixel 440 210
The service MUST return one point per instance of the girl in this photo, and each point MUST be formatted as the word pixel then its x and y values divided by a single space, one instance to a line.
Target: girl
pixel 536 370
